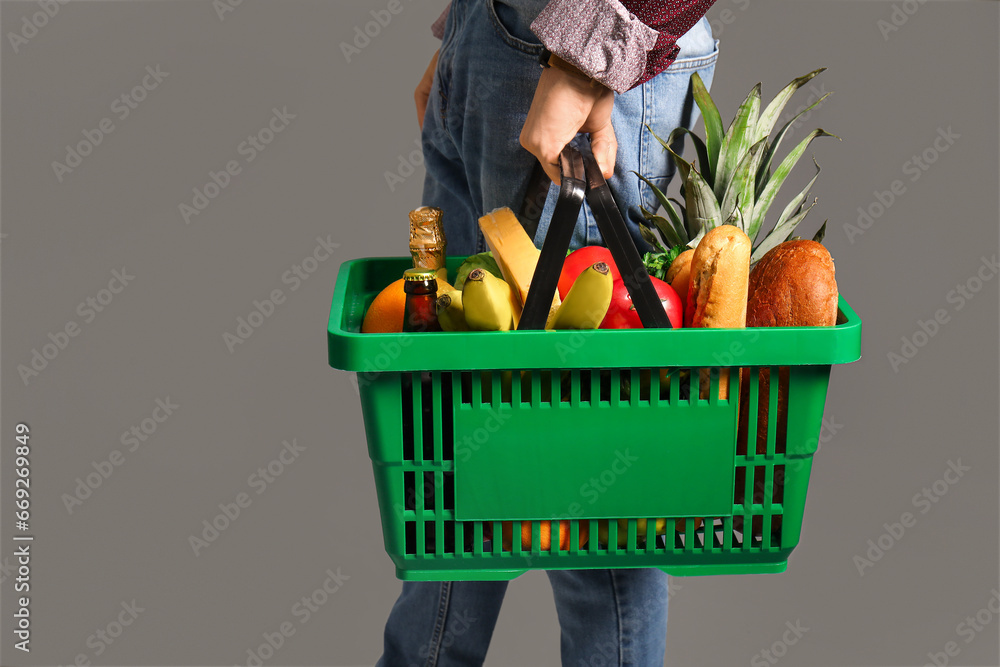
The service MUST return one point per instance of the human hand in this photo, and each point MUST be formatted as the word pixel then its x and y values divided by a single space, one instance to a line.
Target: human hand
pixel 423 91
pixel 565 104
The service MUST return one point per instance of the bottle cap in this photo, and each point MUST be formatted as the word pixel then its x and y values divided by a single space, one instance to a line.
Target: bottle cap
pixel 419 275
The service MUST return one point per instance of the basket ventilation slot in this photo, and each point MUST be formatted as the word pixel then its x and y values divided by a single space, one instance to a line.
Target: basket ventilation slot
pixel 428 442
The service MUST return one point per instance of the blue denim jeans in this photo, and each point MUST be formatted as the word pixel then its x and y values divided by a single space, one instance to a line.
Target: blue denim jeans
pixel 483 86
pixel 607 617
pixel 485 79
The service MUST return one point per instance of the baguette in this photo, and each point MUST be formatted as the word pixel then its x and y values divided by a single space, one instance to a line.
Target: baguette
pixel 717 293
pixel 720 268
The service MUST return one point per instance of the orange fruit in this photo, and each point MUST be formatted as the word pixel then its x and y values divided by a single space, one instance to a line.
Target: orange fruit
pixel 385 315
pixel 681 524
pixel 545 535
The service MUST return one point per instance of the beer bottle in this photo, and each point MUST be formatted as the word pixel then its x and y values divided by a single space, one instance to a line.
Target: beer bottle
pixel 427 240
pixel 420 311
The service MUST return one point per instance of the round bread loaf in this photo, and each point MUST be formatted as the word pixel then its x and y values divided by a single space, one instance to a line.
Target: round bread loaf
pixel 793 285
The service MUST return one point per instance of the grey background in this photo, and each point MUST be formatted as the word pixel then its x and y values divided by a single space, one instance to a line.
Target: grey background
pixel 162 336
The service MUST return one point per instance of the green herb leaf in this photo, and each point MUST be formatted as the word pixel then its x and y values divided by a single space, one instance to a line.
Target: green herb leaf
pixel 658 263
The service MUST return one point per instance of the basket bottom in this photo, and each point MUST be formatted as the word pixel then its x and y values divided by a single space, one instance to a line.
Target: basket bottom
pixel 503 574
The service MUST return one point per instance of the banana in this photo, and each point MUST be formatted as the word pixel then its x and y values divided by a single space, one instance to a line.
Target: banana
pixel 451 314
pixel 442 280
pixel 487 302
pixel 587 302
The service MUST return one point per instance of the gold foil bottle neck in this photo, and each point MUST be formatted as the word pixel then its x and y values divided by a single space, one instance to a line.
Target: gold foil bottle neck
pixel 427 241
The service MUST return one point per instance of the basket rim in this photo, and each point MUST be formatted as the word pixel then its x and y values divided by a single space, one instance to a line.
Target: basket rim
pixel 350 350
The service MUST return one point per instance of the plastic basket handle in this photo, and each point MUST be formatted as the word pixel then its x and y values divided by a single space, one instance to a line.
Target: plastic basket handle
pixel 612 226
pixel 581 176
pixel 545 279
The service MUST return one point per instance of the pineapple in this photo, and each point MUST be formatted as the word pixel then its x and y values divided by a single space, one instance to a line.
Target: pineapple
pixel 731 181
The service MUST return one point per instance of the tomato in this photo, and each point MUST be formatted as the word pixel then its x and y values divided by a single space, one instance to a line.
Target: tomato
pixel 622 314
pixel 579 260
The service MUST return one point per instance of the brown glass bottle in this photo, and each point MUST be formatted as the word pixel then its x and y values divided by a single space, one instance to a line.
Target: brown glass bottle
pixel 420 311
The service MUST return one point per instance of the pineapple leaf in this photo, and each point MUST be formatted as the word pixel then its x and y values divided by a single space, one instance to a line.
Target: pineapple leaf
pixel 795 206
pixel 772 186
pixel 702 206
pixel 675 219
pixel 713 124
pixel 737 141
pixel 691 226
pixel 764 173
pixel 665 144
pixel 740 193
pixel 821 234
pixel 701 150
pixel 656 191
pixel 649 237
pixel 780 233
pixel 683 166
pixel 667 230
pixel 736 218
pixel 770 114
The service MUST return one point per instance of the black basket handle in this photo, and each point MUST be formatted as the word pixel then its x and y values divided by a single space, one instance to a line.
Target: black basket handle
pixel 546 276
pixel 581 176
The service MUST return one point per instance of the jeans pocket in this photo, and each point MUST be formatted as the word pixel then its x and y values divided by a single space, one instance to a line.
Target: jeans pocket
pixel 698 48
pixel 669 104
pixel 695 62
pixel 511 20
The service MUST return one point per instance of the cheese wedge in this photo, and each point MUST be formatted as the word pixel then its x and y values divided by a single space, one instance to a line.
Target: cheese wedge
pixel 513 250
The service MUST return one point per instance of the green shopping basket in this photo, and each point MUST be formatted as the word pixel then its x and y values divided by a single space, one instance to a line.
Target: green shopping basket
pixel 598 449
